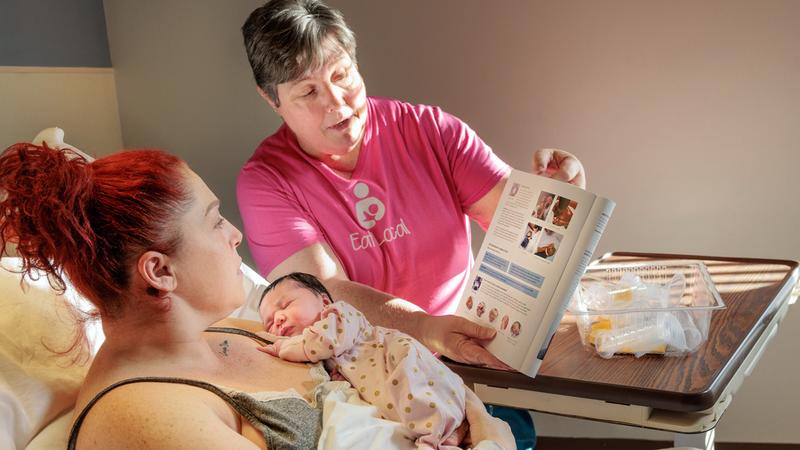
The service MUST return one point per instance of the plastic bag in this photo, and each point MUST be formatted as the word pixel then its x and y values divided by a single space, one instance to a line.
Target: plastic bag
pixel 636 317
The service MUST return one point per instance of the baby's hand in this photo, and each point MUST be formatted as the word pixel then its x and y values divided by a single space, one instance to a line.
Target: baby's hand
pixel 271 349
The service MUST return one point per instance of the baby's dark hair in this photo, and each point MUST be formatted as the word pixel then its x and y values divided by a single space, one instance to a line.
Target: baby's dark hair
pixel 306 280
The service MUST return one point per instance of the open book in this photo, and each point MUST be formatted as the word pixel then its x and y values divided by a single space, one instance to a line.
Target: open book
pixel 535 251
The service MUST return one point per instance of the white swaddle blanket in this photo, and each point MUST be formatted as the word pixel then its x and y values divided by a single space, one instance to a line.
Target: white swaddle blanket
pixel 349 422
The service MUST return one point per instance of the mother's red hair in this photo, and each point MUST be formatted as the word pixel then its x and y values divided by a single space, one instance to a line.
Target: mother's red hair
pixel 90 221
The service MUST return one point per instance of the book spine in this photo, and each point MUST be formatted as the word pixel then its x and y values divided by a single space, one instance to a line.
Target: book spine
pixel 580 257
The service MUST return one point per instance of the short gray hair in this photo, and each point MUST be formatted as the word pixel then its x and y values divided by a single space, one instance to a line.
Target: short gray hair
pixel 285 39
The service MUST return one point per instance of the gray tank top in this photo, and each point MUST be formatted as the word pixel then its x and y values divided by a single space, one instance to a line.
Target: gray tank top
pixel 286 423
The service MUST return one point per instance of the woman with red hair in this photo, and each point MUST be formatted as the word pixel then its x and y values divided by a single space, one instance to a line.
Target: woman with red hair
pixel 141 236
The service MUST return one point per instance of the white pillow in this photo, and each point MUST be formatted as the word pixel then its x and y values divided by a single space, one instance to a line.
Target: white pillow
pixel 55 435
pixel 36 384
pixel 254 286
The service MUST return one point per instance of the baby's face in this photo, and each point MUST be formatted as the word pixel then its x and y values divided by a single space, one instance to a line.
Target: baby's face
pixel 289 308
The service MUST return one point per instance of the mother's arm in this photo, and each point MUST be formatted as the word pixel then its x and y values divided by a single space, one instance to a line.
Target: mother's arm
pixel 158 416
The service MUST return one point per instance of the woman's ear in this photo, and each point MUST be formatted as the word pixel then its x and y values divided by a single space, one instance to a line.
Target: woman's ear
pixel 155 270
pixel 268 99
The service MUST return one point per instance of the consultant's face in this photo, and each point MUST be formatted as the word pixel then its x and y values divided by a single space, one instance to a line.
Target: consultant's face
pixel 327 108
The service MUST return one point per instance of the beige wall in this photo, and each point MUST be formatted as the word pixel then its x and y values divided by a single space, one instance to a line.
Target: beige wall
pixel 82 101
pixel 684 112
pixel 184 85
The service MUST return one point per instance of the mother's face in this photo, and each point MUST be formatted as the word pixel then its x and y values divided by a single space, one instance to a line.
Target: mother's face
pixel 327 108
pixel 206 261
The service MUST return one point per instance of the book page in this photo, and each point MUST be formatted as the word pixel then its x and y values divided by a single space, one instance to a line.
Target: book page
pixel 574 269
pixel 522 260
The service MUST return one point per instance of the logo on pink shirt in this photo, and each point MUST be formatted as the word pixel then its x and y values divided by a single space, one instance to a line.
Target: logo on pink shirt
pixel 369 210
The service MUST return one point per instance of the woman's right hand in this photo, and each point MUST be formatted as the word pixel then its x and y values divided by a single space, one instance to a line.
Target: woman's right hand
pixel 484 427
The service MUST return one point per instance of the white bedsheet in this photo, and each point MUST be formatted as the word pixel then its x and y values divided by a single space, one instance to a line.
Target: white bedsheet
pixel 53 436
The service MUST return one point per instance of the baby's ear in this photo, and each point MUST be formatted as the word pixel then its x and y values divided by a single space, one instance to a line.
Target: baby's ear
pixel 326 300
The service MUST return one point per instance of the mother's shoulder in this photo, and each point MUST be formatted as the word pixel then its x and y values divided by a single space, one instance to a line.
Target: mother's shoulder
pixel 155 415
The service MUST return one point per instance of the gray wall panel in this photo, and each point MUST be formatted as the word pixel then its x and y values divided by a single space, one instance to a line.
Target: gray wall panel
pixel 53 33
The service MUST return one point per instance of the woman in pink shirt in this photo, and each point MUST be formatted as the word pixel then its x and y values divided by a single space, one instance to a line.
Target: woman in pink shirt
pixel 371 195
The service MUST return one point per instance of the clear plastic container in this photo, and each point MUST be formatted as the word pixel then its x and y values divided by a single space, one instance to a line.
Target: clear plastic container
pixel 658 307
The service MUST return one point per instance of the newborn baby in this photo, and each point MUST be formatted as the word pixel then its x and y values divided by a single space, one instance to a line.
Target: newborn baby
pixel 390 369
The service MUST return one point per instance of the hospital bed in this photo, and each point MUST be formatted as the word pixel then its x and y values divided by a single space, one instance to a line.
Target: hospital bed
pixel 38 388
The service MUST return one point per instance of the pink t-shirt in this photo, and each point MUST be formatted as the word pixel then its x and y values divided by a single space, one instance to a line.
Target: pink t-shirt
pixel 397 224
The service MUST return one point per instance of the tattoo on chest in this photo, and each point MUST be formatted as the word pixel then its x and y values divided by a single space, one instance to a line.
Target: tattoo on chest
pixel 224 346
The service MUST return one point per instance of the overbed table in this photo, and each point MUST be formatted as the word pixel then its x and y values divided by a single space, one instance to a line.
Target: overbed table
pixel 685 395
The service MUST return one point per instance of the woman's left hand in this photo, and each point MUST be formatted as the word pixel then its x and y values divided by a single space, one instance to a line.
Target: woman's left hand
pixel 559 165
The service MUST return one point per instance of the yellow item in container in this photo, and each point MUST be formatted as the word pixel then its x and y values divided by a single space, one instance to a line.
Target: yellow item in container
pixel 622 295
pixel 658 349
pixel 637 340
pixel 602 324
